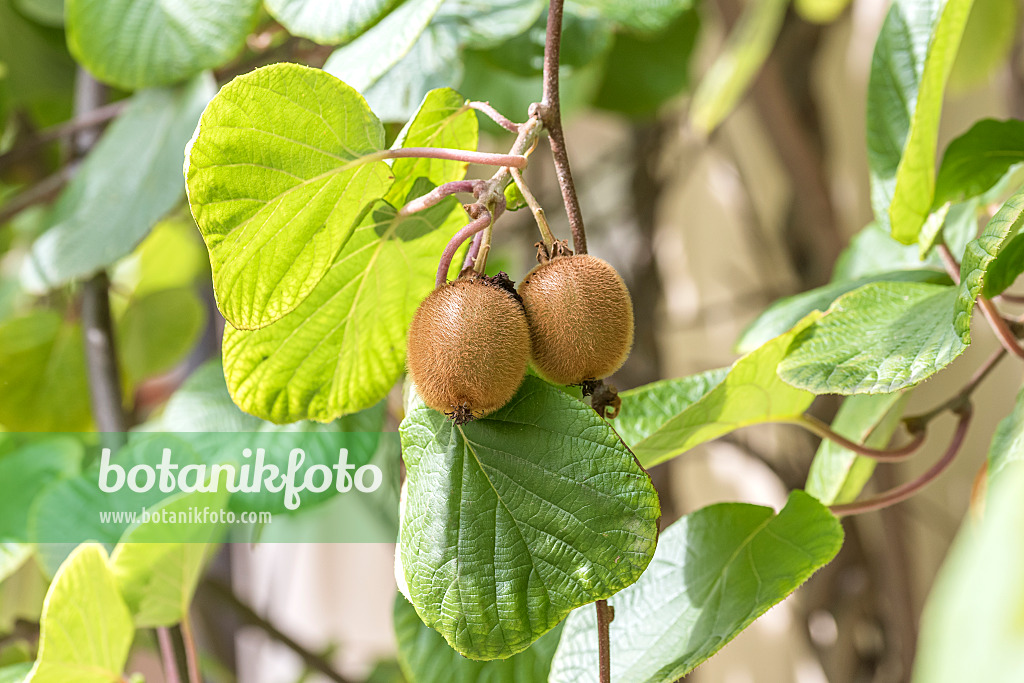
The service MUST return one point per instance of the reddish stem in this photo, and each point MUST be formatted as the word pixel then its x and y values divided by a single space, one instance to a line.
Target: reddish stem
pixel 494 115
pixel 476 225
pixel 487 158
pixel 438 194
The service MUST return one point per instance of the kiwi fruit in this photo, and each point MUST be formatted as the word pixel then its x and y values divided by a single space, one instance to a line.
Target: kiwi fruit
pixel 469 346
pixel 580 317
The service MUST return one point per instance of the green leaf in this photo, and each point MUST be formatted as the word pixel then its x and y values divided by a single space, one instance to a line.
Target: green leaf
pixel 715 572
pixel 988 39
pixel 343 348
pixel 514 199
pixel 956 224
pixel 649 16
pixel 171 256
pixel 751 393
pixel 974 162
pixel 37 67
pixel 128 182
pixel 1008 441
pixel 328 21
pixel 886 336
pixel 42 370
pixel 86 630
pixel 158 579
pixel 971 626
pixel 140 43
pixel 630 86
pixel 46 12
pixel 746 50
pixel 202 404
pixel 158 330
pixel 24 473
pixel 786 312
pixel 912 60
pixel 512 521
pixel 426 658
pixel 838 475
pixel 282 166
pixel 15 673
pixel 645 409
pixel 1006 267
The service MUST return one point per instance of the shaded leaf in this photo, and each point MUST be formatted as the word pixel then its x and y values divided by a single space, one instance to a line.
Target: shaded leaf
pixel 974 162
pixel 646 408
pixel 988 39
pixel 24 473
pixel 328 21
pixel 158 330
pixel 42 374
pixel 128 182
pixel 86 629
pixel 1008 441
pixel 426 657
pixel 140 43
pixel 283 164
pixel 512 521
pixel 649 16
pixel 750 393
pixel 716 570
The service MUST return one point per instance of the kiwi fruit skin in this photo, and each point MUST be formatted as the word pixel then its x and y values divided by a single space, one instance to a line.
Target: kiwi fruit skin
pixel 469 347
pixel 580 316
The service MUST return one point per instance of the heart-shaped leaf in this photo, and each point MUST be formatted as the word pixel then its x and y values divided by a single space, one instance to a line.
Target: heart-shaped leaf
pixel 512 521
pixel 283 164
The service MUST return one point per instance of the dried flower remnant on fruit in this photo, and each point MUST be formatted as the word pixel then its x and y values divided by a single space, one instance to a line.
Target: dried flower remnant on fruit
pixel 469 346
pixel 580 316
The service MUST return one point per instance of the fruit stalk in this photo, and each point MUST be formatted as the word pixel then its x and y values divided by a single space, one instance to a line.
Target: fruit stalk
pixel 438 194
pixel 476 225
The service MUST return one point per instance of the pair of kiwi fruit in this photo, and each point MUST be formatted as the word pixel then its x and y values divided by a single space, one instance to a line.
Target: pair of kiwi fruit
pixel 471 340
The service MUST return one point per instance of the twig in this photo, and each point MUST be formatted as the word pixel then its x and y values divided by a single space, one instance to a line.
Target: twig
pixel 816 426
pixel 605 614
pixel 468 156
pixel 479 223
pixel 86 120
pixel 904 491
pixel 473 251
pixel 249 616
pixel 494 115
pixel 919 421
pixel 191 654
pixel 550 112
pixel 949 262
pixel 167 655
pixel 438 194
pixel 43 191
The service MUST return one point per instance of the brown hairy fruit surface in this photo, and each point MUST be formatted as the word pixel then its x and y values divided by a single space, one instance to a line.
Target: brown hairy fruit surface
pixel 580 316
pixel 469 346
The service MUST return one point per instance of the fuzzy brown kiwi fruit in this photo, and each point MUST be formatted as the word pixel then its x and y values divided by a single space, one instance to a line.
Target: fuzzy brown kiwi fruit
pixel 469 346
pixel 580 316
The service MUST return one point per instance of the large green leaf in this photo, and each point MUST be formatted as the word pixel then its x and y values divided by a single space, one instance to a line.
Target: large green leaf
pixel 913 57
pixel 1006 268
pixel 158 578
pixel 280 169
pixel 512 521
pixel 974 162
pixel 343 348
pixel 36 66
pixel 648 16
pixel 837 474
pixel 988 39
pixel 328 21
pixel 1008 441
pixel 139 43
pixel 42 374
pixel 746 49
pixel 645 409
pixel 24 473
pixel 15 673
pixel 426 658
pixel 971 629
pixel 786 312
pixel 128 182
pixel 716 570
pixel 886 336
pixel 86 628
pixel 751 393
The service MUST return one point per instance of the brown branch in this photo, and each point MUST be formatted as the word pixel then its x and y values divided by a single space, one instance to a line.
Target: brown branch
pixel 315 662
pixel 904 491
pixel 496 116
pixel 819 428
pixel 84 121
pixel 605 614
pixel 191 653
pixel 550 112
pixel 45 190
